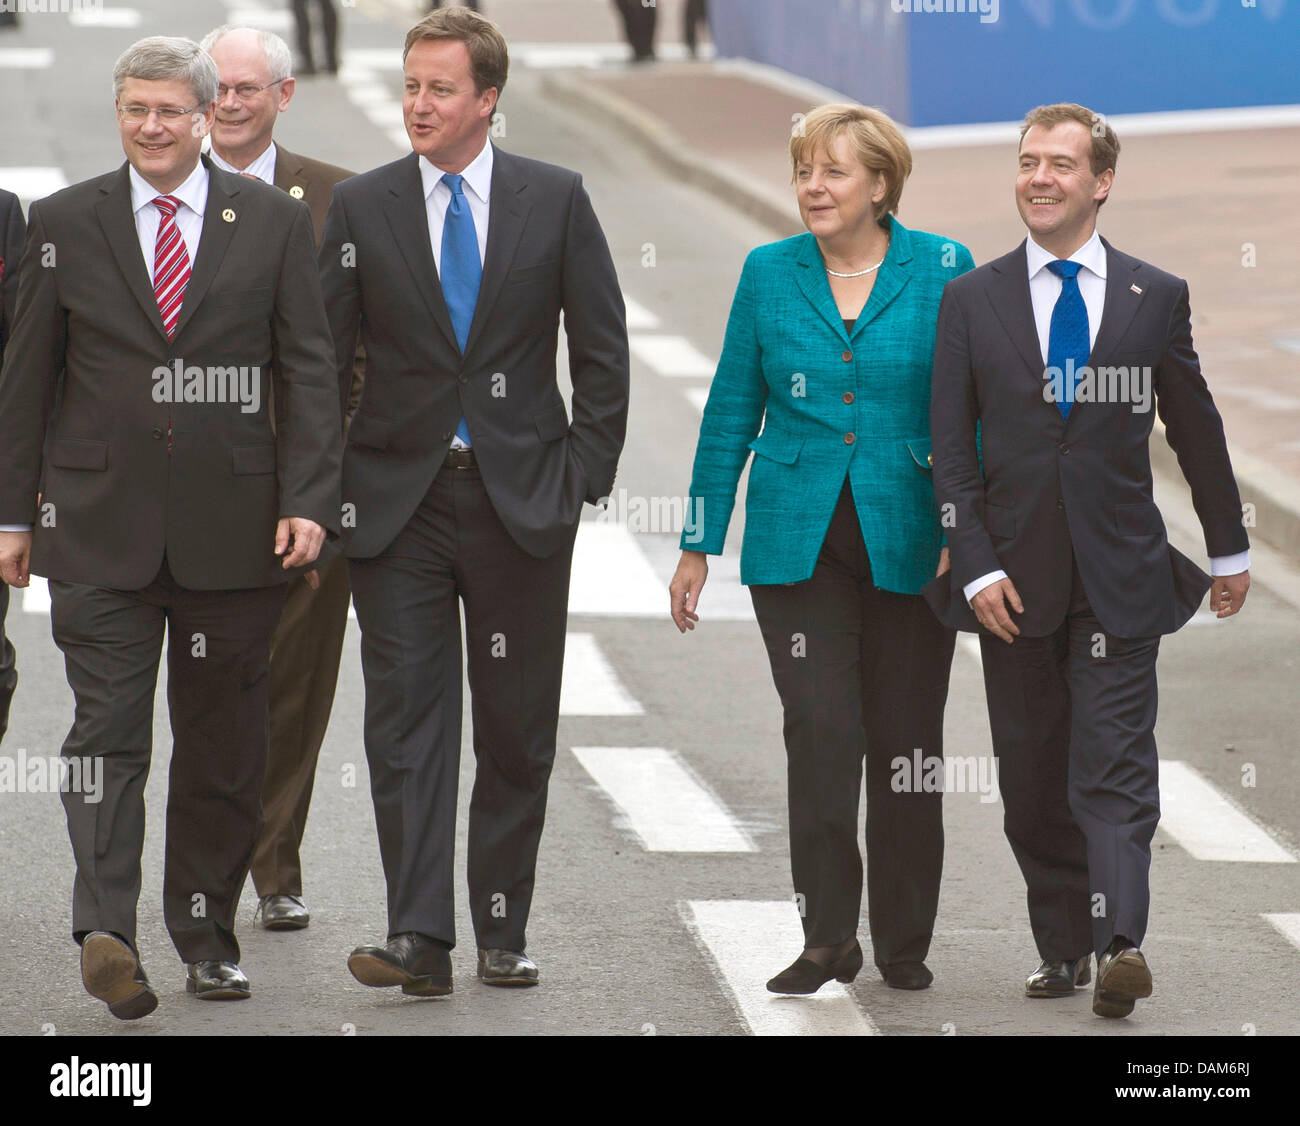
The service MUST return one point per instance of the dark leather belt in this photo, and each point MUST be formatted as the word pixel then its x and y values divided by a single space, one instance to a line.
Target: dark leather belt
pixel 460 459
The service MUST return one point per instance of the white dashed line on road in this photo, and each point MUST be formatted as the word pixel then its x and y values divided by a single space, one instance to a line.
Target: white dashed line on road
pixel 1204 822
pixel 591 686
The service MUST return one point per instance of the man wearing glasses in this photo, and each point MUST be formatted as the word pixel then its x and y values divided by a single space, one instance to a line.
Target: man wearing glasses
pixel 169 302
pixel 255 88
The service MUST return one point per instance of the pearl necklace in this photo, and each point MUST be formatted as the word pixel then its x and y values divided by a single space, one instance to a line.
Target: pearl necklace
pixel 860 273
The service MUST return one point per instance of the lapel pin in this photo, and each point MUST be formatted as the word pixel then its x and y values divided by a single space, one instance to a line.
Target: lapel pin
pixel 228 215
pixel 1136 289
pixel 296 192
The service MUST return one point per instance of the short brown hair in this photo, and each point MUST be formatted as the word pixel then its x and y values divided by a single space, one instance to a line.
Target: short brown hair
pixel 876 142
pixel 1105 145
pixel 489 60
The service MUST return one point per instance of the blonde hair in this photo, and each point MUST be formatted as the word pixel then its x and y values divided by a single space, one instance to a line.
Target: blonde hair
pixel 876 142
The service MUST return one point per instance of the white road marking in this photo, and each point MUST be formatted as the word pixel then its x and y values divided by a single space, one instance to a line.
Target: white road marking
pixel 25 58
pixel 749 942
pixel 671 355
pixel 29 182
pixel 970 643
pixel 105 17
pixel 698 396
pixel 1205 618
pixel 1288 926
pixel 1207 824
pixel 266 19
pixel 1260 397
pixel 36 598
pixel 591 686
pixel 638 316
pixel 662 801
pixel 611 575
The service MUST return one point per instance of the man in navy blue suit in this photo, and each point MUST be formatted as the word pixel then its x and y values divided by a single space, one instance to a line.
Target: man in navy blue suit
pixel 1058 350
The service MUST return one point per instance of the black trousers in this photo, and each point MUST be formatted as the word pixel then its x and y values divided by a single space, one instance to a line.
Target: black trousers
pixel 860 672
pixel 639 26
pixel 1073 718
pixel 217 651
pixel 455 547
pixel 8 664
pixel 329 26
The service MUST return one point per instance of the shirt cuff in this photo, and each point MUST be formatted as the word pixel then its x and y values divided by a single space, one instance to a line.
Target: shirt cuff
pixel 15 527
pixel 1230 564
pixel 971 589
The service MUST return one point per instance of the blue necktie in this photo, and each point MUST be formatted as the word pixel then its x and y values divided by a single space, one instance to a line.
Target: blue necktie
pixel 1068 336
pixel 462 269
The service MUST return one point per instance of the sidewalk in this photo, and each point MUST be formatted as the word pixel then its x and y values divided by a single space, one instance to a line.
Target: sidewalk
pixel 1188 202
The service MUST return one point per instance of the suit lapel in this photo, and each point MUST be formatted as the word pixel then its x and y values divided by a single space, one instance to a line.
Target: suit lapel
pixel 1121 304
pixel 810 276
pixel 218 230
pixel 118 220
pixel 1008 294
pixel 408 218
pixel 507 213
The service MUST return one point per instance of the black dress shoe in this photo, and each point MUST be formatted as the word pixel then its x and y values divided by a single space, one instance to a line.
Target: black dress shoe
pixel 806 976
pixel 1122 978
pixel 217 981
pixel 906 975
pixel 283 913
pixel 505 967
pixel 111 971
pixel 1057 977
pixel 419 964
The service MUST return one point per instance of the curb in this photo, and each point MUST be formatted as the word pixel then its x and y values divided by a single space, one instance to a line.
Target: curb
pixel 1276 500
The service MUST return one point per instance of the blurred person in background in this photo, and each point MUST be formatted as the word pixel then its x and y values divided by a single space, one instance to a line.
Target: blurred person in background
pixel 256 87
pixel 694 13
pixel 829 348
pixel 472 5
pixel 639 27
pixel 13 229
pixel 329 17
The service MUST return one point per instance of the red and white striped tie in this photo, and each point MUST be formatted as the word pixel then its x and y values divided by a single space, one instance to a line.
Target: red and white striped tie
pixel 171 264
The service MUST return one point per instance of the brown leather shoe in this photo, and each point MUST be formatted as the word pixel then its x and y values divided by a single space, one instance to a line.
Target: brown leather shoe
pixel 419 964
pixel 111 971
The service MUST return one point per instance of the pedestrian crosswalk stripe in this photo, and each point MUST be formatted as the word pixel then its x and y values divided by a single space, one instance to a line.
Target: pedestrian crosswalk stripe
pixel 1204 822
pixel 638 316
pixel 25 58
pixel 698 396
pixel 1288 926
pixel 662 801
pixel 105 17
pixel 671 355
pixel 591 686
pixel 31 182
pixel 612 576
pixel 36 598
pixel 750 942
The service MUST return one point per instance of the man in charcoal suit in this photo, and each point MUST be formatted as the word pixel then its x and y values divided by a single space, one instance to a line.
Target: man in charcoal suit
pixel 12 230
pixel 464 479
pixel 1058 351
pixel 165 304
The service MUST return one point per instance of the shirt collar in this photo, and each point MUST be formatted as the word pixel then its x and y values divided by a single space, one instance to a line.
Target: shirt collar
pixel 193 192
pixel 263 167
pixel 1091 256
pixel 477 174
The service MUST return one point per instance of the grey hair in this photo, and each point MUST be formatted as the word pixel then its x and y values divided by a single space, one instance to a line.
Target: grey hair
pixel 162 57
pixel 279 59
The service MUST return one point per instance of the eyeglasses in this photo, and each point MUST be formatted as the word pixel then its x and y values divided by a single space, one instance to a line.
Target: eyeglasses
pixel 138 115
pixel 245 91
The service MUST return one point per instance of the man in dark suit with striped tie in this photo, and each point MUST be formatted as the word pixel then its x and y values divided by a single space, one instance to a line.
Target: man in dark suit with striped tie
pixel 12 231
pixel 1058 351
pixel 256 87
pixel 163 306
pixel 464 479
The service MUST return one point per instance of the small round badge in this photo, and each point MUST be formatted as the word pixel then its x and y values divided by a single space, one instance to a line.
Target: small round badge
pixel 296 192
pixel 228 215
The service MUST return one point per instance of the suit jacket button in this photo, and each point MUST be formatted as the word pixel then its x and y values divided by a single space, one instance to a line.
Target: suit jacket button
pixel 157 433
pixel 846 356
pixel 848 396
pixel 1064 448
pixel 1060 503
pixel 849 439
pixel 463 378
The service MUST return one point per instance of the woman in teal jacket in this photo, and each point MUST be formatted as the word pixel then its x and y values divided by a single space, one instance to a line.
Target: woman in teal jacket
pixel 829 347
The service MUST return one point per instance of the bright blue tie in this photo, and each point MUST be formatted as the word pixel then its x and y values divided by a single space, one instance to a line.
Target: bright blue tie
pixel 462 269
pixel 1068 337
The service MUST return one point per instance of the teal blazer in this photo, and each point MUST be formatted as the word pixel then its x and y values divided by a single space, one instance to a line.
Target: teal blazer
pixel 831 404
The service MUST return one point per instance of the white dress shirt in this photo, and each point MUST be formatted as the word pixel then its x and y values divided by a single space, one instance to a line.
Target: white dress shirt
pixel 263 167
pixel 1044 290
pixel 477 187
pixel 193 194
